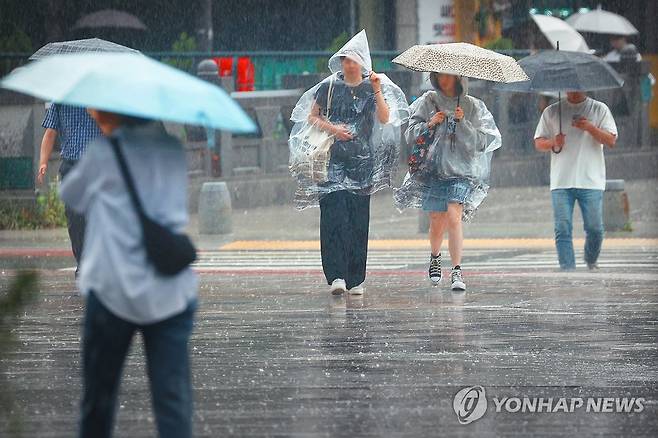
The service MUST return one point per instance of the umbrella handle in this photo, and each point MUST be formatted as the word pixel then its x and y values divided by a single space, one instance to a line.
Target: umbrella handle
pixel 557 150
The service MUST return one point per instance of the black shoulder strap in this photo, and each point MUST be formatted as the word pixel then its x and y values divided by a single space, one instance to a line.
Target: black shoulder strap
pixel 127 177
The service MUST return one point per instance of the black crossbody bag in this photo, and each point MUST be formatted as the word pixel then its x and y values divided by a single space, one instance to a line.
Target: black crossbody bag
pixel 169 252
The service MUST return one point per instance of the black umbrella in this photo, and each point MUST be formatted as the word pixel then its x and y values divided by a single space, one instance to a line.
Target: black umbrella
pixel 555 70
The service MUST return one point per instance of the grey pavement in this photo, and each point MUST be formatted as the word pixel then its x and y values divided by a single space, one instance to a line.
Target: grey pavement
pixel 274 354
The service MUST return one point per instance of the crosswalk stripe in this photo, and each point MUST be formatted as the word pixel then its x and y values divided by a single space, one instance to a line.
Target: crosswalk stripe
pixel 414 244
pixel 487 260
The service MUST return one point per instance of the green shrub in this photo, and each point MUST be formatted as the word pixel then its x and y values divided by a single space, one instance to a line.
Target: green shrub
pixel 46 212
pixel 184 44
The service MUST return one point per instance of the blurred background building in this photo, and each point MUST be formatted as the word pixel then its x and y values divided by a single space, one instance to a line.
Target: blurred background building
pixel 277 47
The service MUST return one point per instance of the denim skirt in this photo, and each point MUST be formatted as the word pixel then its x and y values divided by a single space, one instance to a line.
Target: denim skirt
pixel 445 191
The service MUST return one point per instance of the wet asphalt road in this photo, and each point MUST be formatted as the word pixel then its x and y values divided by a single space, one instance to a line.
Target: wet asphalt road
pixel 275 355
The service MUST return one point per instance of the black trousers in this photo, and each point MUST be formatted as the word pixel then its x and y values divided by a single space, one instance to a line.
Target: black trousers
pixel 344 224
pixel 75 221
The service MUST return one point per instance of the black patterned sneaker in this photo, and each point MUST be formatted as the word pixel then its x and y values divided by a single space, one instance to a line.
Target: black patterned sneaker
pixel 435 269
pixel 456 279
pixel 593 266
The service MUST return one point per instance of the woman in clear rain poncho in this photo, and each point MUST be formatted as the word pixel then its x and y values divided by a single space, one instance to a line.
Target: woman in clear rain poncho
pixel 344 146
pixel 454 136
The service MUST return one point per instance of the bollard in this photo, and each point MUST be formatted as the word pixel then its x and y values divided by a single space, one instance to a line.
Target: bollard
pixel 615 206
pixel 215 209
pixel 208 71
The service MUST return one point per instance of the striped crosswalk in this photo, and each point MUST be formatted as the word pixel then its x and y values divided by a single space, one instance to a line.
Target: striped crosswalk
pixel 414 259
pixel 511 255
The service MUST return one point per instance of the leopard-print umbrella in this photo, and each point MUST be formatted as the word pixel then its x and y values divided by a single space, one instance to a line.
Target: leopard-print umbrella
pixel 462 59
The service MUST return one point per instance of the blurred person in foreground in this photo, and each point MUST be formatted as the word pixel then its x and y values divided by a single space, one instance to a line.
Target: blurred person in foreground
pixel 124 292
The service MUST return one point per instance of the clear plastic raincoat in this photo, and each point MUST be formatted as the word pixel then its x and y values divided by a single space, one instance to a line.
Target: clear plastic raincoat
pixel 364 164
pixel 457 149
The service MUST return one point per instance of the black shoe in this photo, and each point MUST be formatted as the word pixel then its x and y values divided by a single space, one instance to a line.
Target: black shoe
pixel 456 279
pixel 435 269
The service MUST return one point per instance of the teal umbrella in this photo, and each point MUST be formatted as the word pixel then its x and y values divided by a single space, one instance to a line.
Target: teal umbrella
pixel 131 84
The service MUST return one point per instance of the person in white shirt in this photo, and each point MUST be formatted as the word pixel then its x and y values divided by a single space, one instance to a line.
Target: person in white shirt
pixel 618 43
pixel 577 170
pixel 124 292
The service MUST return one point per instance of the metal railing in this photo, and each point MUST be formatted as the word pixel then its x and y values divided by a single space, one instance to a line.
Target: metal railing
pixel 269 67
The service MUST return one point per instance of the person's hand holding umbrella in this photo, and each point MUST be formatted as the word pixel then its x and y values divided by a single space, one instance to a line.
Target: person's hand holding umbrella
pixel 459 113
pixel 558 143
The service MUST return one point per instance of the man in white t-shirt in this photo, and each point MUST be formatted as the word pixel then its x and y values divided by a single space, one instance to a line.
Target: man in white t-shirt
pixel 577 170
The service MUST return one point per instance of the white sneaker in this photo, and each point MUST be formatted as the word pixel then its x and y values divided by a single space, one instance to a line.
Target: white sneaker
pixel 357 290
pixel 457 280
pixel 338 286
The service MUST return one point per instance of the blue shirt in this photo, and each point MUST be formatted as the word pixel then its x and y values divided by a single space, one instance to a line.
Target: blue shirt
pixel 74 127
pixel 114 262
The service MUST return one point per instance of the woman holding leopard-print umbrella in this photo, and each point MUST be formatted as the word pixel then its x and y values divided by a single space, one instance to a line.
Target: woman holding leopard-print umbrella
pixel 454 136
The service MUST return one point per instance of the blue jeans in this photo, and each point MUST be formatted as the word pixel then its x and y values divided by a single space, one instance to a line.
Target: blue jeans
pixel 106 340
pixel 591 207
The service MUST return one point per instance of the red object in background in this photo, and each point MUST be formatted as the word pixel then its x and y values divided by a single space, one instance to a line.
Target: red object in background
pixel 216 165
pixel 245 71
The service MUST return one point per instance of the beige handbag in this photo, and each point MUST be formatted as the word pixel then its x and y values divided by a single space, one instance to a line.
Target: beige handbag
pixel 316 167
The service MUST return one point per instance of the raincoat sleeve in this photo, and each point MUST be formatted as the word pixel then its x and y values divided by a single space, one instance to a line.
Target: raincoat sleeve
pixel 421 111
pixel 479 132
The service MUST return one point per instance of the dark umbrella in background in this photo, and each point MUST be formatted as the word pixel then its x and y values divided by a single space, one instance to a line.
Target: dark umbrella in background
pixel 111 24
pixel 110 18
pixel 562 71
pixel 79 46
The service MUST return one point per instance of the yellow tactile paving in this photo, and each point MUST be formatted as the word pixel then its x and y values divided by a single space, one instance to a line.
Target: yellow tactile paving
pixel 401 244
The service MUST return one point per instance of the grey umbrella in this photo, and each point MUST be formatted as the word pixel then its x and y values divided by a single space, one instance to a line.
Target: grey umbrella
pixel 555 70
pixel 76 46
pixel 110 18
